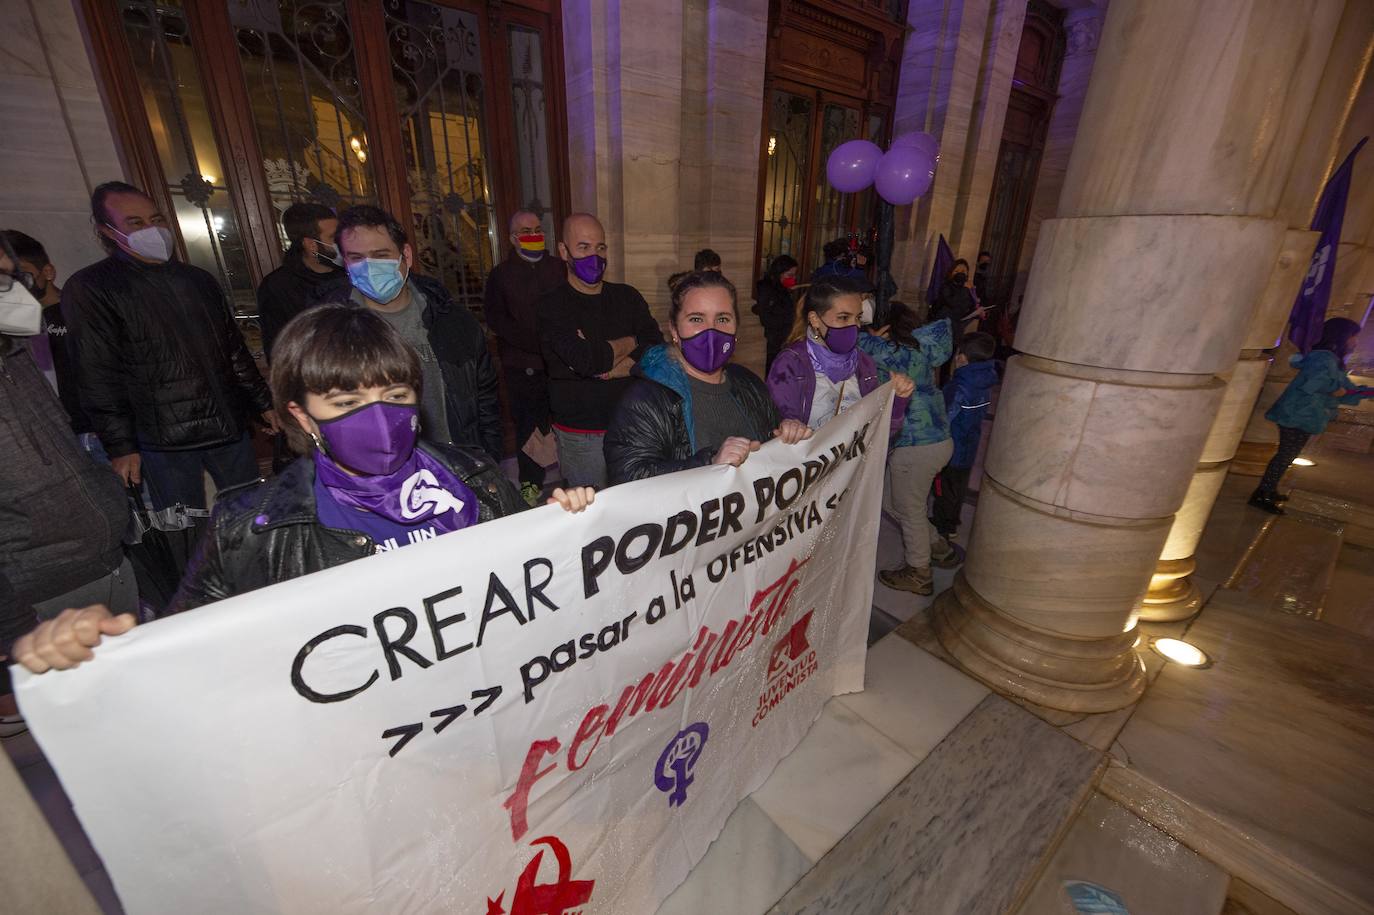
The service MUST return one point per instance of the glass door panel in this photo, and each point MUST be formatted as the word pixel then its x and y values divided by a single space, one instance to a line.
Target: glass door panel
pixel 301 73
pixel 786 177
pixel 436 67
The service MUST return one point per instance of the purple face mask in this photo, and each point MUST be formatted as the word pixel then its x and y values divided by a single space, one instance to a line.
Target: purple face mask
pixel 589 269
pixel 374 439
pixel 709 350
pixel 842 340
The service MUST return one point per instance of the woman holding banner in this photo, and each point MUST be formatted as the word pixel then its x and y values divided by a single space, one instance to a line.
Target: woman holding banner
pixel 822 372
pixel 347 389
pixel 691 406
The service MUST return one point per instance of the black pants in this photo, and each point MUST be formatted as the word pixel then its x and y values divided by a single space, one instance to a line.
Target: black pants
pixel 1291 443
pixel 528 390
pixel 950 488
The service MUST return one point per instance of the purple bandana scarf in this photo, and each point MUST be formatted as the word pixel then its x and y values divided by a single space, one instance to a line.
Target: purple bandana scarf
pixel 836 367
pixel 421 490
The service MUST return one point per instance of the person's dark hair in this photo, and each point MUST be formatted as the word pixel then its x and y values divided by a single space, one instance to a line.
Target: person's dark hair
pixel 835 248
pixel 370 217
pixel 700 279
pixel 705 259
pixel 978 347
pixel 902 322
pixel 27 248
pixel 820 298
pixel 302 220
pixel 983 254
pixel 677 278
pixel 99 215
pixel 336 347
pixel 1336 336
pixel 778 266
pixel 955 266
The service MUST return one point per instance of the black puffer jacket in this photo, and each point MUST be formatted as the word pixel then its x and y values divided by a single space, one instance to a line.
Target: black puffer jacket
pixel 63 516
pixel 162 363
pixel 268 532
pixel 651 433
pixel 460 345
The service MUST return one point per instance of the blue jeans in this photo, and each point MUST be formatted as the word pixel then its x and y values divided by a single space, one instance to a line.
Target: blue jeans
pixel 580 458
pixel 178 476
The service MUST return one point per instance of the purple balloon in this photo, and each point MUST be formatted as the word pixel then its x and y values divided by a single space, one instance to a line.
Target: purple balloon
pixel 904 174
pixel 921 141
pixel 850 167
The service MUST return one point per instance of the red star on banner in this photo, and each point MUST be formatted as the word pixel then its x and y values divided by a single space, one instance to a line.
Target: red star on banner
pixel 494 906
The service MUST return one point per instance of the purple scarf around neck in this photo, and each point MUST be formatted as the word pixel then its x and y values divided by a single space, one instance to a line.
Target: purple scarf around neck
pixel 835 367
pixel 422 490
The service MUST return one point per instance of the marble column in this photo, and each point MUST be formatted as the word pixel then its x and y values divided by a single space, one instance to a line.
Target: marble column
pixel 955 82
pixel 57 144
pixel 1168 206
pixel 664 107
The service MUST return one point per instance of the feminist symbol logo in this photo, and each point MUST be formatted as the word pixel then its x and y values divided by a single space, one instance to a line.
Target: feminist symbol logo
pixel 678 761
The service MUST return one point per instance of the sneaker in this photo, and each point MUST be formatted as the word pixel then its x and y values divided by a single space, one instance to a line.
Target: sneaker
pixel 907 578
pixel 1265 502
pixel 12 726
pixel 530 493
pixel 943 555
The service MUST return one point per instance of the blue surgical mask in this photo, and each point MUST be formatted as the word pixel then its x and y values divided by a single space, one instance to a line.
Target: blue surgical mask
pixel 381 280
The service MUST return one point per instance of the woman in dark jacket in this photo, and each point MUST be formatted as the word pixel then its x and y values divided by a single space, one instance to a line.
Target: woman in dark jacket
pixel 774 304
pixel 956 300
pixel 690 406
pixel 347 389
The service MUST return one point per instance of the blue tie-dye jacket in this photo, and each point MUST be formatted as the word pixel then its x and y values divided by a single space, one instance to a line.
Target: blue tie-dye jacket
pixel 926 420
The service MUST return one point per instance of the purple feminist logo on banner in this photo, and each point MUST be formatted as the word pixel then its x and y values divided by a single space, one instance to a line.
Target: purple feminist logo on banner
pixel 1309 311
pixel 678 760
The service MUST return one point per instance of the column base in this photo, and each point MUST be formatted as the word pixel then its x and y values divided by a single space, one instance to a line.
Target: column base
pixel 1049 669
pixel 1253 457
pixel 1172 595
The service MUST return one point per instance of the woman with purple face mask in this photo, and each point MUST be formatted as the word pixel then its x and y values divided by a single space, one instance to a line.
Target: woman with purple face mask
pixel 690 405
pixel 822 372
pixel 346 387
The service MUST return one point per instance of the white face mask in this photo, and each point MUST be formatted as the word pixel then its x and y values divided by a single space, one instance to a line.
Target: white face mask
pixel 153 242
pixel 20 313
pixel 866 314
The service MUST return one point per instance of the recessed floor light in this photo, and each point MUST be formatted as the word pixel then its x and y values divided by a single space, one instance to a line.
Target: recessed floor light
pixel 1304 462
pixel 1181 652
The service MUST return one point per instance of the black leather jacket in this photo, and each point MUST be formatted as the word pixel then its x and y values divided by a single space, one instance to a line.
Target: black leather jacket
pixel 268 532
pixel 649 435
pixel 161 363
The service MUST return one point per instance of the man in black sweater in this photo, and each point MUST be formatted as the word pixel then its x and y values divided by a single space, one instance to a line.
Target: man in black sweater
pixel 513 287
pixel 310 265
pixel 593 333
pixel 164 374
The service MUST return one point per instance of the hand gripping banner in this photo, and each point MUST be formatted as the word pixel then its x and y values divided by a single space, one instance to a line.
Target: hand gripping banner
pixel 541 715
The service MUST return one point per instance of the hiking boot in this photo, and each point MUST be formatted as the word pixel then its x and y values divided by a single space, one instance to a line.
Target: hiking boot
pixel 1265 502
pixel 943 555
pixel 908 578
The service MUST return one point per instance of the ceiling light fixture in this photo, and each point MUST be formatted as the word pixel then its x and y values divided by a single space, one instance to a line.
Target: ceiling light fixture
pixel 1181 652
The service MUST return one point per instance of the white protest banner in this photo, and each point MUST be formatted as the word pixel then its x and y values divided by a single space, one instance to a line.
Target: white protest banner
pixel 543 714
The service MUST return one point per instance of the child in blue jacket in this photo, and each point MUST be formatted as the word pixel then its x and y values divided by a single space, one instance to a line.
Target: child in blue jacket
pixel 967 397
pixel 1309 403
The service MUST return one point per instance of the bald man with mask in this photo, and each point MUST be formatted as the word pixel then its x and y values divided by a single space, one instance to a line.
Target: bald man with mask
pixel 592 332
pixel 513 286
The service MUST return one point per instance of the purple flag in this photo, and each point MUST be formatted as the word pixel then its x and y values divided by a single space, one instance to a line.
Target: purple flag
pixel 1309 311
pixel 944 259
